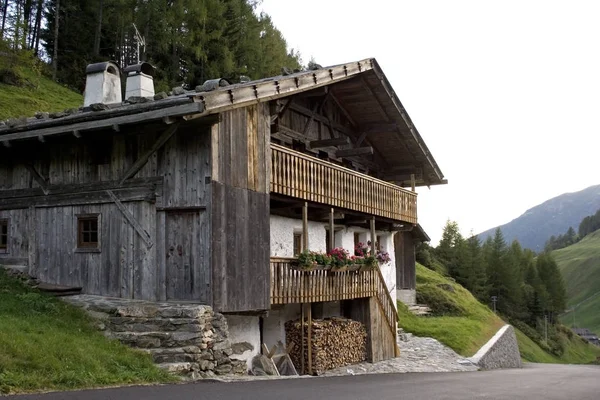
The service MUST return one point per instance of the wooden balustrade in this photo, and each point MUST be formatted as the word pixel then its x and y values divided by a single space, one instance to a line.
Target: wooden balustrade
pixel 289 285
pixel 299 175
pixel 387 307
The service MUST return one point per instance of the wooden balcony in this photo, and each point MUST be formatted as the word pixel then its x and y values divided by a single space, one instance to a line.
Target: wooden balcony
pixel 298 175
pixel 289 286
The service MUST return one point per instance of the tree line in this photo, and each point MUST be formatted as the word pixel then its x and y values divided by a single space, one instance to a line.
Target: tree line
pixel 189 41
pixel 525 286
pixel 588 225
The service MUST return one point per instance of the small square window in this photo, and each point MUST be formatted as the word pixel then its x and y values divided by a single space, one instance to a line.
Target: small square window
pixel 87 231
pixel 3 236
pixel 378 243
pixel 297 244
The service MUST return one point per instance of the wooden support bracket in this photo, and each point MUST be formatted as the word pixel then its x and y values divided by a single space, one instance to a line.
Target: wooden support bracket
pixel 131 219
pixel 140 162
pixel 43 182
pixel 317 144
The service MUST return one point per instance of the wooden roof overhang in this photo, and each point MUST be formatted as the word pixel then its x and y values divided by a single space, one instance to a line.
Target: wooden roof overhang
pixel 361 89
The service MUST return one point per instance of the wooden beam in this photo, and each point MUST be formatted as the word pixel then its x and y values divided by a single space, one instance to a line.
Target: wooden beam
pixel 305 226
pixel 317 144
pixel 331 232
pixel 43 182
pixel 373 236
pixel 132 221
pixel 162 139
pixel 342 108
pixel 412 182
pixel 282 111
pixel 309 338
pixel 360 151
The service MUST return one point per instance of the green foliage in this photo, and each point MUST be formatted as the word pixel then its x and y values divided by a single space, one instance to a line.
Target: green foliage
pixel 188 41
pixel 36 93
pixel 46 344
pixel 439 300
pixel 476 324
pixel 579 265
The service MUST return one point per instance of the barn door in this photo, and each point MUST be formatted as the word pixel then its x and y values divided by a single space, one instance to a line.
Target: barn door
pixel 187 261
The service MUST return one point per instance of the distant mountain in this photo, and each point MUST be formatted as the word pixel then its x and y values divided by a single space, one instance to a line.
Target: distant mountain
pixel 552 217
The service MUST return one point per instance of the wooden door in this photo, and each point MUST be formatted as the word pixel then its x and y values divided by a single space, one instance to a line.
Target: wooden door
pixel 187 257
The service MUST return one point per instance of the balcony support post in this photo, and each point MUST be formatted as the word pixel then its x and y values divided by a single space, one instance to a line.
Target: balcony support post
pixel 373 237
pixel 309 339
pixel 305 226
pixel 331 232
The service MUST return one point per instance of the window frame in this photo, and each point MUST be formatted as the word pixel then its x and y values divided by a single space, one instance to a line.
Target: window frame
pixel 88 247
pixel 4 222
pixel 296 240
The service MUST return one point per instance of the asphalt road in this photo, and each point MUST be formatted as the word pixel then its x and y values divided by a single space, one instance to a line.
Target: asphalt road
pixel 535 381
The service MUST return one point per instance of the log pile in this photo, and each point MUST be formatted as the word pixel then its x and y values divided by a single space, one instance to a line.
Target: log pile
pixel 336 342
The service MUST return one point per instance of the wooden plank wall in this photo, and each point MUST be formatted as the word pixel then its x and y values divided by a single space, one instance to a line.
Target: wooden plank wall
pixel 380 342
pixel 18 239
pixel 124 266
pixel 240 210
pixel 45 236
pixel 404 248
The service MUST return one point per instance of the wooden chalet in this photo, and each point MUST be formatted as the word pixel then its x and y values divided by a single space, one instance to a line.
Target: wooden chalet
pixel 206 196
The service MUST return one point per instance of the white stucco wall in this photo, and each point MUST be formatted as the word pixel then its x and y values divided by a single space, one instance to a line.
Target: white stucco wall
pixel 244 329
pixel 274 323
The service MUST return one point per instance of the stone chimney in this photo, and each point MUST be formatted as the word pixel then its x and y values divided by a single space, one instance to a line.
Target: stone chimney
pixel 102 84
pixel 139 80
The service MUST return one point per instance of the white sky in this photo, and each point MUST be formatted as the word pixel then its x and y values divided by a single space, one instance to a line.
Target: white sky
pixel 505 93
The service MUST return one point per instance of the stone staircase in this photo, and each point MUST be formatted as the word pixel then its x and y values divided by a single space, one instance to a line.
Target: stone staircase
pixel 187 339
pixel 419 309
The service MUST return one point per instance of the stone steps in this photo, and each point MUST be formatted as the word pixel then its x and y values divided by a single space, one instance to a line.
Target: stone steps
pixel 420 309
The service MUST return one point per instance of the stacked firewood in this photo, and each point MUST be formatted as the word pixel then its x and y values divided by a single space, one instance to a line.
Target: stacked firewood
pixel 335 342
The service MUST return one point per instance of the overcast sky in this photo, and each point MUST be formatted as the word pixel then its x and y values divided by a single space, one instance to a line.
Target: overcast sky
pixel 505 93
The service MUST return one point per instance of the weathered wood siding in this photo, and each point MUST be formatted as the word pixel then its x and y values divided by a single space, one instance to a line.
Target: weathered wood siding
pixel 44 186
pixel 404 247
pixel 18 240
pixel 187 259
pixel 240 210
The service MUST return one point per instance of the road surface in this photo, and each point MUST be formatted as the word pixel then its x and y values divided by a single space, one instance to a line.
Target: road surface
pixel 535 381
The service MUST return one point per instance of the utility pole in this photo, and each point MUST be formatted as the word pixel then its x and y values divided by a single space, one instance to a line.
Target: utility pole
pixel 546 328
pixel 494 300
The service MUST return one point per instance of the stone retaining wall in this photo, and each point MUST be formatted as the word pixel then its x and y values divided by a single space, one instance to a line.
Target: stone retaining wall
pixel 501 351
pixel 188 339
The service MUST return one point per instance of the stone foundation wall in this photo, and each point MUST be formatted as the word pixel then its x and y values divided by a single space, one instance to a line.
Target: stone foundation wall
pixel 188 339
pixel 501 351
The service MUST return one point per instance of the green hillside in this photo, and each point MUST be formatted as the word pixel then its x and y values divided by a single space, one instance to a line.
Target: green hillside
pixel 580 266
pixel 464 324
pixel 36 93
pixel 46 344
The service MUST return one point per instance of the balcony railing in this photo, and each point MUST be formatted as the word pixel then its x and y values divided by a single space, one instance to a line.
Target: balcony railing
pixel 289 285
pixel 299 175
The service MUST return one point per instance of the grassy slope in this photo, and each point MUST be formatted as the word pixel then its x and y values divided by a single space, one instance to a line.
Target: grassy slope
pixel 477 324
pixel 45 96
pixel 46 344
pixel 580 266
